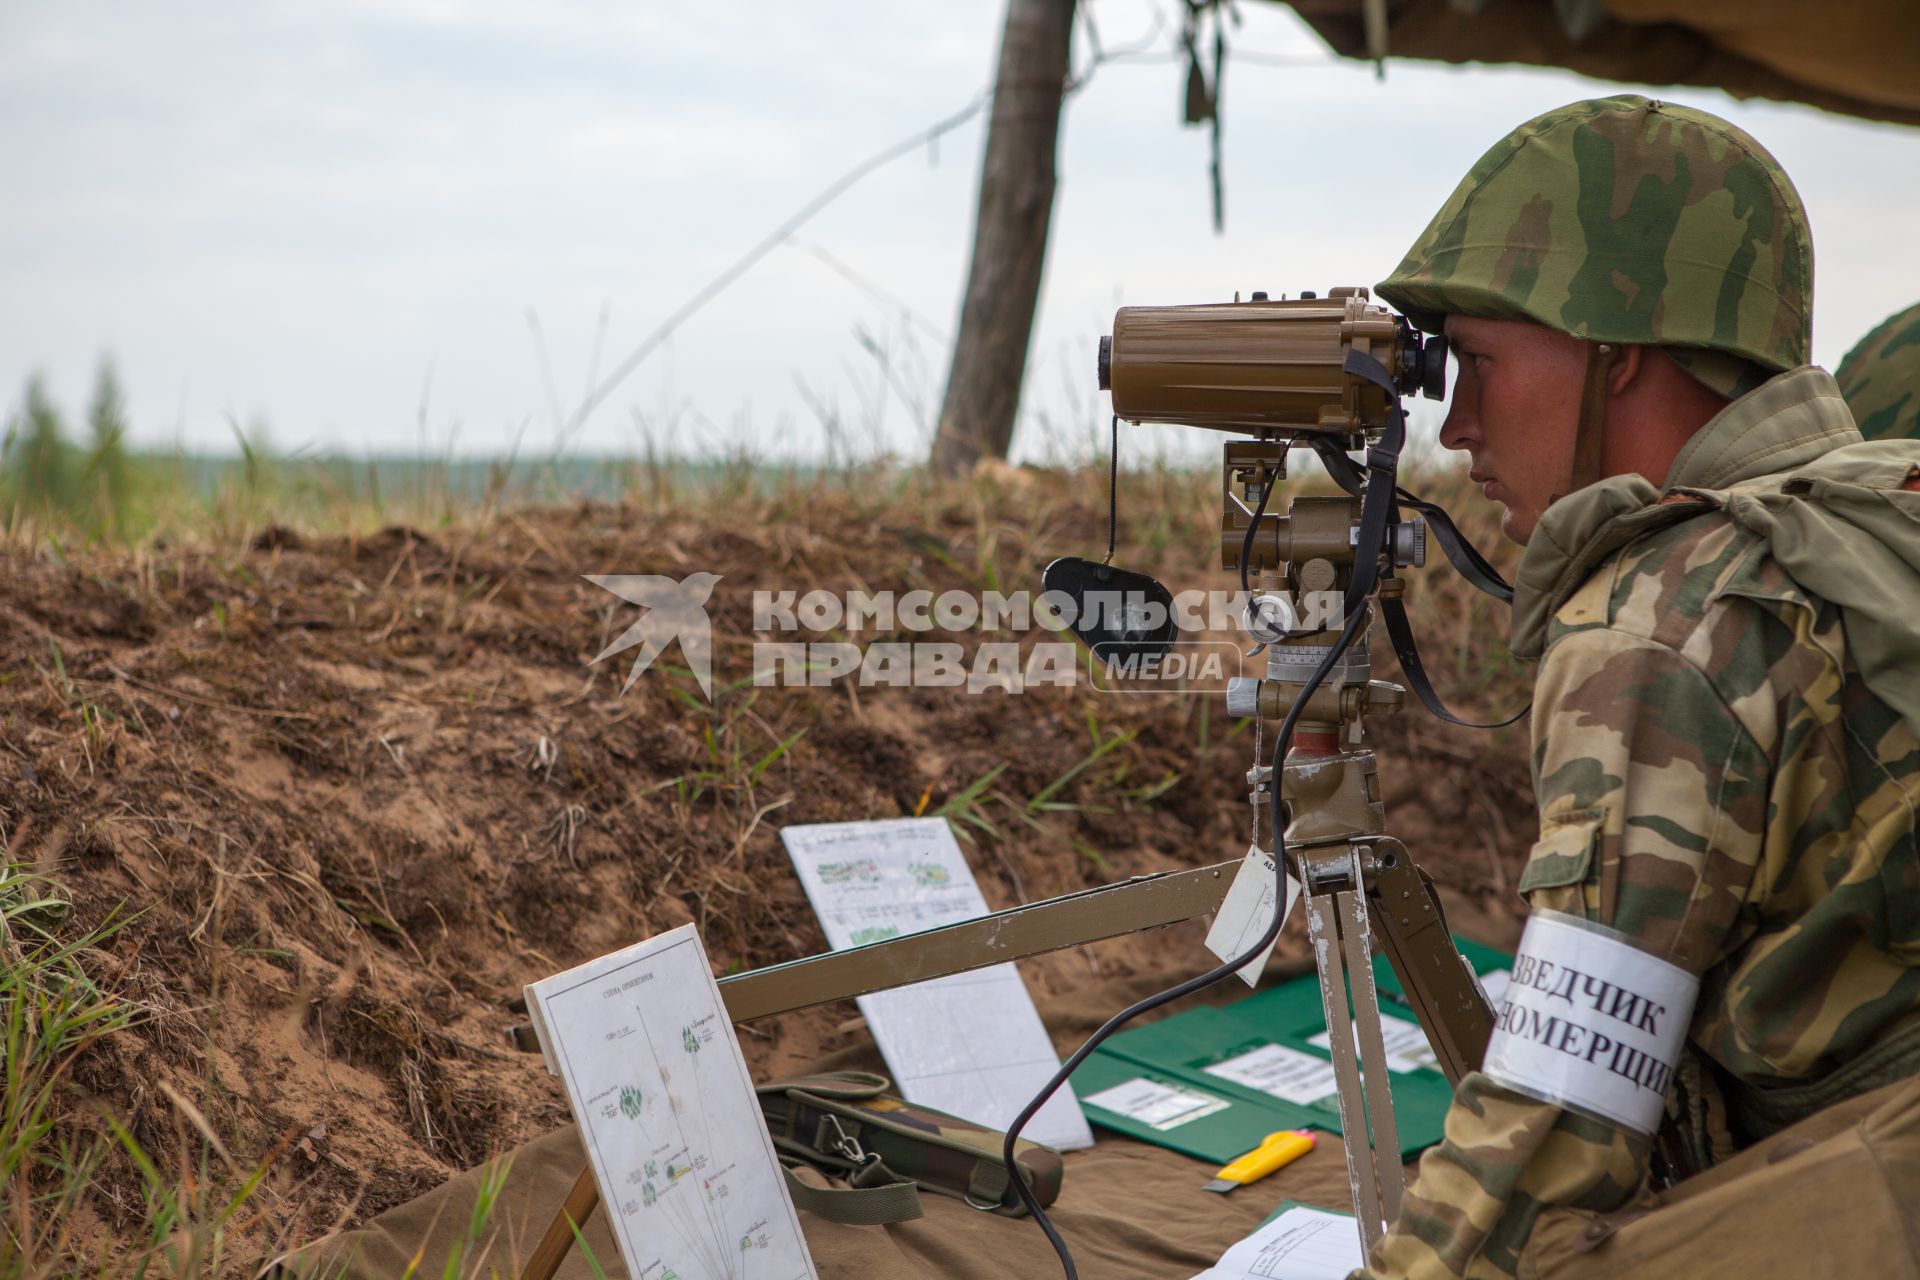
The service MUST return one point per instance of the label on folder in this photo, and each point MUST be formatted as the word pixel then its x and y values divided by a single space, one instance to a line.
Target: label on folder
pixel 1267 1056
pixel 1158 1106
pixel 1288 1074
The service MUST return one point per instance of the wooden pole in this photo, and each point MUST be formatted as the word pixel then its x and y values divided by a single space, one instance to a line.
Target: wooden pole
pixel 1009 237
pixel 553 1246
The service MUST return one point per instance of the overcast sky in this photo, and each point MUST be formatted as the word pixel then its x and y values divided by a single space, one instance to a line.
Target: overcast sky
pixel 322 215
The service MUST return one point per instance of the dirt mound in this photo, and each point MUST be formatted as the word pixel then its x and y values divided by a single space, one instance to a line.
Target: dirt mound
pixel 362 789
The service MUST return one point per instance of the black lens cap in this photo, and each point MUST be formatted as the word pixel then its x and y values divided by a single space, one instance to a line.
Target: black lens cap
pixel 1116 613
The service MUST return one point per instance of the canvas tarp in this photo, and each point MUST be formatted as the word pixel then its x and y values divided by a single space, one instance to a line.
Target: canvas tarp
pixel 1859 57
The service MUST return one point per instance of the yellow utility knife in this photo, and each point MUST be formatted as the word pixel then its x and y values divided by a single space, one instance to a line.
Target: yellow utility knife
pixel 1277 1150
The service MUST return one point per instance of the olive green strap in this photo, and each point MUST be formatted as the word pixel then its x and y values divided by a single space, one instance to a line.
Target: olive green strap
pixel 1590 433
pixel 887 1198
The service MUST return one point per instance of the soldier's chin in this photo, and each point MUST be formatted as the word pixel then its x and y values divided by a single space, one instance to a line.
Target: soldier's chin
pixel 1517 526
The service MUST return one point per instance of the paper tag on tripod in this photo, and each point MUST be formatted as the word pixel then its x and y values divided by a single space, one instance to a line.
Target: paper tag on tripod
pixel 1246 912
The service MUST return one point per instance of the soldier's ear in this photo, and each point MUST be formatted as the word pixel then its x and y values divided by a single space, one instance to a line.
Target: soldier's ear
pixel 1628 363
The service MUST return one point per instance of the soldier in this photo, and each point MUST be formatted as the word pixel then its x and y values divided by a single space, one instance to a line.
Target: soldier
pixel 1718 586
pixel 1880 378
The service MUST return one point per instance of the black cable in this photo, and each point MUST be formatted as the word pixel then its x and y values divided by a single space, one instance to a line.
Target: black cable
pixel 1267 486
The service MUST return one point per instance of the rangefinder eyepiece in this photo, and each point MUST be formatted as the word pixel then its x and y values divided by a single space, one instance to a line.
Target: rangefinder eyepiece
pixel 1265 368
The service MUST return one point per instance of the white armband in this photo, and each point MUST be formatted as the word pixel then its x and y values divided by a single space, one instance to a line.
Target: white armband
pixel 1591 1022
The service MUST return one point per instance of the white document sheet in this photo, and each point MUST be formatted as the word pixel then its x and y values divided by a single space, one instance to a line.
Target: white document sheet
pixel 1300 1244
pixel 970 1044
pixel 668 1115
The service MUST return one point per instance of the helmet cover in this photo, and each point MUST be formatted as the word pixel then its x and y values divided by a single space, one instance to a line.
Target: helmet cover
pixel 1624 220
pixel 1880 378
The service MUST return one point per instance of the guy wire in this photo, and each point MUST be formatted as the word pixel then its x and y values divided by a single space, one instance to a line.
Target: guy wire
pixel 1113 492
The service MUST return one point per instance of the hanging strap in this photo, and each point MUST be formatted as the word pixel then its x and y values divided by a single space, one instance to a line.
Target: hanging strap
pixel 875 1196
pixel 1113 492
pixel 1400 631
pixel 1460 553
pixel 1376 499
pixel 1379 510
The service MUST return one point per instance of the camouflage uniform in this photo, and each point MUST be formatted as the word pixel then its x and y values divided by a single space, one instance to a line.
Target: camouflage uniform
pixel 1881 378
pixel 1716 779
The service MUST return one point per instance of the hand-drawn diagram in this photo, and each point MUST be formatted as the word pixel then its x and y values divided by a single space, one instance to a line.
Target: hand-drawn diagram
pixel 668 1116
pixel 851 871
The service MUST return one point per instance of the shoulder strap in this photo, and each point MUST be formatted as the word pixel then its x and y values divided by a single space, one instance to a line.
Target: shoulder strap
pixel 878 1197
pixel 843 1085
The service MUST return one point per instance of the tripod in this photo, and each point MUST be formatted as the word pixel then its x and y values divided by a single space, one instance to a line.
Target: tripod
pixel 1362 889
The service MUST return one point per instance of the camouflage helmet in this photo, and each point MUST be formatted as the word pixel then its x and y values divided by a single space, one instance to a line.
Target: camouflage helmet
pixel 1629 221
pixel 1881 377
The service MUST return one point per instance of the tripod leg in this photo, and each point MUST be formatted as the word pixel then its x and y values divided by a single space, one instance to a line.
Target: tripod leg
pixel 1439 985
pixel 1384 1146
pixel 1323 931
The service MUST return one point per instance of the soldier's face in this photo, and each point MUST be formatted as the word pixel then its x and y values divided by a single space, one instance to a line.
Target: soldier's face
pixel 1515 409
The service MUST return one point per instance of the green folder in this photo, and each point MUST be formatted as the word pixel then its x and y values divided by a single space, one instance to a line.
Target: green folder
pixel 1259 1055
pixel 1173 1112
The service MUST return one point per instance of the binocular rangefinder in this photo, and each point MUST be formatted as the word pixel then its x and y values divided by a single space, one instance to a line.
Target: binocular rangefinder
pixel 1266 367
